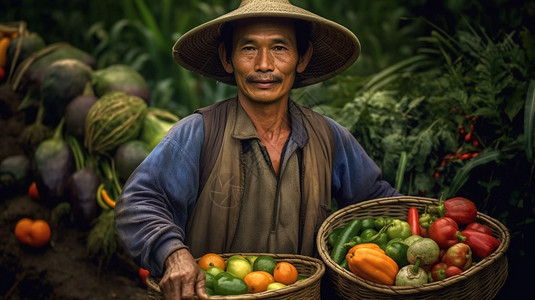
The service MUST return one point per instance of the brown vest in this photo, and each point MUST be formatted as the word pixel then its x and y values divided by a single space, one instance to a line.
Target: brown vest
pixel 235 207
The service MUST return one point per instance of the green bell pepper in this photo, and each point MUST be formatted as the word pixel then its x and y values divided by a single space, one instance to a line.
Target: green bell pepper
pixel 398 252
pixel 373 236
pixel 367 223
pixel 352 242
pixel 399 229
pixel 344 264
pixel 380 222
pixel 394 240
pixel 367 234
pixel 381 239
pixel 426 220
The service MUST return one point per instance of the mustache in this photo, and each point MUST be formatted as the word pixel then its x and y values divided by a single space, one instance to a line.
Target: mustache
pixel 263 77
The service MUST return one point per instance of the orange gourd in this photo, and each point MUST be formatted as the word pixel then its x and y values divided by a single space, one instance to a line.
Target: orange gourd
pixel 371 263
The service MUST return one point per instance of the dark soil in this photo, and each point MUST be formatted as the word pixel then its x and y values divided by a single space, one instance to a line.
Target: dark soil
pixel 62 269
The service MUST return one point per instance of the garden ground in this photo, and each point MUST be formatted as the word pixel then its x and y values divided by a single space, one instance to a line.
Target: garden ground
pixel 61 270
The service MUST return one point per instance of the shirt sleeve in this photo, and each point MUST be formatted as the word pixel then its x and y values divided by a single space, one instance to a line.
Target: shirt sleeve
pixel 153 209
pixel 355 176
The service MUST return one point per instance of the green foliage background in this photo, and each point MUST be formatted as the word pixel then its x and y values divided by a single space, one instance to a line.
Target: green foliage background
pixel 429 73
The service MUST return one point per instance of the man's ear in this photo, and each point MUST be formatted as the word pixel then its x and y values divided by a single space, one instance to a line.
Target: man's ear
pixel 227 65
pixel 304 59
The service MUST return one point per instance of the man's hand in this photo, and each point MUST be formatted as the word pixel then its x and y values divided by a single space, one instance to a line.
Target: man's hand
pixel 183 278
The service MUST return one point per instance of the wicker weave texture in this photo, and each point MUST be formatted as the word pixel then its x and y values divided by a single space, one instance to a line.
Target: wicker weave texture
pixel 306 289
pixel 481 281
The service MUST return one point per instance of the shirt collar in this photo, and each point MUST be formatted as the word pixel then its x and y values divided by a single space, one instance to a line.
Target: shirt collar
pixel 244 128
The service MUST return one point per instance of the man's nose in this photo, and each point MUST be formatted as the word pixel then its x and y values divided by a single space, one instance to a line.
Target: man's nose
pixel 264 61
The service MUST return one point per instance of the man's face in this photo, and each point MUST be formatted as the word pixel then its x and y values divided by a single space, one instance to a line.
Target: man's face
pixel 264 59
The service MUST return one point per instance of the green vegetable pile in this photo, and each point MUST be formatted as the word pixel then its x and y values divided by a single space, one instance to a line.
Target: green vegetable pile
pixel 91 130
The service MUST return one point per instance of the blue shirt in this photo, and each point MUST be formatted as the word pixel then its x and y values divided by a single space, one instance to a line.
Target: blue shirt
pixel 152 211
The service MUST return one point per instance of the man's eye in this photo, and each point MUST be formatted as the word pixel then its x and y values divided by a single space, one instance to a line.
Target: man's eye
pixel 278 48
pixel 248 48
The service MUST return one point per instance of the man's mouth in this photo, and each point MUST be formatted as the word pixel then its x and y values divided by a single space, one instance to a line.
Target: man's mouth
pixel 263 79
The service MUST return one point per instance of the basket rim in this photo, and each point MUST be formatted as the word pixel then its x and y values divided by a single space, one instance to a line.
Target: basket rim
pixel 295 258
pixel 394 290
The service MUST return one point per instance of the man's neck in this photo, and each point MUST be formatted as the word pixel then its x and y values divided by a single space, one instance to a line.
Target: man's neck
pixel 269 119
pixel 272 124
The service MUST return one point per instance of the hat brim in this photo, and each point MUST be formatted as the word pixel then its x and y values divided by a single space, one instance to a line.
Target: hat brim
pixel 335 47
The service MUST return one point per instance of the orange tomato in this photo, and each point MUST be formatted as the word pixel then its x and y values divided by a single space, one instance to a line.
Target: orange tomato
pixel 211 259
pixel 33 192
pixel 285 273
pixel 257 281
pixel 33 233
pixel 143 273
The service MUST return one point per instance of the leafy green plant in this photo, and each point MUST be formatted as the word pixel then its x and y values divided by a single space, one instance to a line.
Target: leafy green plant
pixel 455 120
pixel 144 38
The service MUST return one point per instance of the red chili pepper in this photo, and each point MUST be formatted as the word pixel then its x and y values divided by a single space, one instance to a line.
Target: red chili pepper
pixel 482 244
pixel 466 156
pixel 441 271
pixel 479 227
pixel 445 232
pixel 468 137
pixel 413 220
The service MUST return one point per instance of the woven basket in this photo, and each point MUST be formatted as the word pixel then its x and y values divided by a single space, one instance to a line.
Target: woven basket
pixel 306 289
pixel 481 281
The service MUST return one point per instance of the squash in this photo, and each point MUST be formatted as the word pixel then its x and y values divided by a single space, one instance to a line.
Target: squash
pixel 370 262
pixel 63 81
pixel 115 118
pixel 120 78
pixel 128 156
pixel 27 44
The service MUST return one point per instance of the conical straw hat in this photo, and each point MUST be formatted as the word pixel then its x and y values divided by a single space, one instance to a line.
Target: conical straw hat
pixel 335 47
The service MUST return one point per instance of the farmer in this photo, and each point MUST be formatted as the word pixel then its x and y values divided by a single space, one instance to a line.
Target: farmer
pixel 254 173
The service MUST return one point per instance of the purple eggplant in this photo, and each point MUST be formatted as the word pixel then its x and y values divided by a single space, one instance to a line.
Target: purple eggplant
pixel 82 192
pixel 54 165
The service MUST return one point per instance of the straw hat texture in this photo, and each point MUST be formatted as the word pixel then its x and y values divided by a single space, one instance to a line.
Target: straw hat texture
pixel 335 47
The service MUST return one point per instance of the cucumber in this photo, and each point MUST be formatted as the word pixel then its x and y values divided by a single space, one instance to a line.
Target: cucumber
pixel 338 252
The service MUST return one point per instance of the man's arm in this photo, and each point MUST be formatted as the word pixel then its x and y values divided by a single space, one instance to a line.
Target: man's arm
pixel 356 177
pixel 152 211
